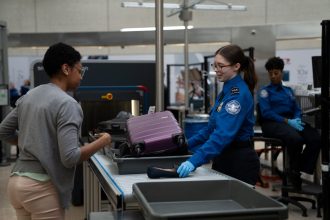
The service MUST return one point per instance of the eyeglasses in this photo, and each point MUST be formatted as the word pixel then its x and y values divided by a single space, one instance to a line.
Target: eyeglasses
pixel 218 66
pixel 82 71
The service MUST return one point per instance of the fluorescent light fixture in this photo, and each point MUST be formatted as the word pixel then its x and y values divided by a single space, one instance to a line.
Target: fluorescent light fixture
pixel 153 28
pixel 223 6
pixel 220 7
pixel 147 5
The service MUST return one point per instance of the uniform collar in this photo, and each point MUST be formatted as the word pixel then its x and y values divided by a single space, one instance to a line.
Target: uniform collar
pixel 230 83
pixel 276 86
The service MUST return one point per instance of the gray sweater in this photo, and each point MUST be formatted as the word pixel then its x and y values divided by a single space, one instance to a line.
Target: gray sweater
pixel 48 122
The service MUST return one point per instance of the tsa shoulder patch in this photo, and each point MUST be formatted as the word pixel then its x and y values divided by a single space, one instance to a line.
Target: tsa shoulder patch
pixel 233 107
pixel 234 90
pixel 263 93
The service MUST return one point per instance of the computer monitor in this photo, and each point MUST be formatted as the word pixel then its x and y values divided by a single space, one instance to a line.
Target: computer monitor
pixel 4 95
pixel 317 71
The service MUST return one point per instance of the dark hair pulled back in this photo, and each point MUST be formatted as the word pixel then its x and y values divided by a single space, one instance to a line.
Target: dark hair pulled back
pixel 234 54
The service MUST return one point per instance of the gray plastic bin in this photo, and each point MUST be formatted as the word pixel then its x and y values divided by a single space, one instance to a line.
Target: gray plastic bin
pixel 134 165
pixel 213 199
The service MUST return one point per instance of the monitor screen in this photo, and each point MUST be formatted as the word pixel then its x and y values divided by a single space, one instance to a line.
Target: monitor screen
pixel 4 95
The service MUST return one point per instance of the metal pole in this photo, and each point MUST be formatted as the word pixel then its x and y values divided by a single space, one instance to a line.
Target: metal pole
pixel 4 79
pixel 159 55
pixel 186 67
pixel 185 16
pixel 205 77
pixel 3 48
pixel 325 117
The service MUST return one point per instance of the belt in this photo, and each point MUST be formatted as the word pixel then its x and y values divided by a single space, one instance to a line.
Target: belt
pixel 242 144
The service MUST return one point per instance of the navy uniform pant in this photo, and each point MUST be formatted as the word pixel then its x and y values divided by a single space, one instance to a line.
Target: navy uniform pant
pixel 300 159
pixel 240 162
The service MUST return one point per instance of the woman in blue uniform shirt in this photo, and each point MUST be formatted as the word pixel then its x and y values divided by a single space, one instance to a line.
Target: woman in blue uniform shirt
pixel 281 118
pixel 227 138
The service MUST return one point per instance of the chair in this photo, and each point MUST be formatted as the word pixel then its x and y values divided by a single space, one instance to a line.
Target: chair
pixel 272 145
pixel 295 200
pixel 307 189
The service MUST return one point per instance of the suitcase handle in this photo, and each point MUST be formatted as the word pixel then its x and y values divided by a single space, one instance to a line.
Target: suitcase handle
pixel 180 140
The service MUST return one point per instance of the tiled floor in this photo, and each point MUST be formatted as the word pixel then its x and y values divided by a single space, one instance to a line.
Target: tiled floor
pixel 76 213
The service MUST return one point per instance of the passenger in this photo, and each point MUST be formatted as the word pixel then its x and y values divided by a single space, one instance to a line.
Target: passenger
pixel 281 118
pixel 25 87
pixel 227 140
pixel 46 125
pixel 13 94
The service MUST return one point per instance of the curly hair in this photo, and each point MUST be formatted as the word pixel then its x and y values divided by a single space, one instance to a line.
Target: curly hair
pixel 274 63
pixel 57 55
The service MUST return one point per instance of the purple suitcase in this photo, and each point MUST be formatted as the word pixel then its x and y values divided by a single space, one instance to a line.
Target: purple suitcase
pixel 154 133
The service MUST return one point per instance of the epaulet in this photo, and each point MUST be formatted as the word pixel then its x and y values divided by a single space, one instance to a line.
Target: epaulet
pixel 234 90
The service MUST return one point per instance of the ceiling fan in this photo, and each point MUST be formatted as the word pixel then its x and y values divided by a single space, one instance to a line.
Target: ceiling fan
pixel 186 5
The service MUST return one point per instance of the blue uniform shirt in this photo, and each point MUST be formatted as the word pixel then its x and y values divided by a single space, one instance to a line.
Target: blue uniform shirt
pixel 277 102
pixel 231 118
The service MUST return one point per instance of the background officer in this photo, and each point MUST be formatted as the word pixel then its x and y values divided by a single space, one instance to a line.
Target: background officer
pixel 281 118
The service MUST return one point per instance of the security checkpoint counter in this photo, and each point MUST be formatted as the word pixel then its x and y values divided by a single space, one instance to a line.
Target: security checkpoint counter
pixel 101 172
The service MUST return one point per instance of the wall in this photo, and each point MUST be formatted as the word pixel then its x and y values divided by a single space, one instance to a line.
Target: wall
pixel 108 15
pixel 299 64
pixel 38 16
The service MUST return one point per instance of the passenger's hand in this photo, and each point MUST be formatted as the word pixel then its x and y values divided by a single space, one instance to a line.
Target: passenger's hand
pixel 296 123
pixel 185 168
pixel 105 137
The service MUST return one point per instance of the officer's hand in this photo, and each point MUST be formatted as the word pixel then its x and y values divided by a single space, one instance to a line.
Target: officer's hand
pixel 185 168
pixel 296 123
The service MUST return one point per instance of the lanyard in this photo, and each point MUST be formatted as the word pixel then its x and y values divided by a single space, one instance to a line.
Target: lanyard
pixel 219 101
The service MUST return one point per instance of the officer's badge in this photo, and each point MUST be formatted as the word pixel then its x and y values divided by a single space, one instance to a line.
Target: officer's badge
pixel 234 90
pixel 263 93
pixel 233 107
pixel 219 107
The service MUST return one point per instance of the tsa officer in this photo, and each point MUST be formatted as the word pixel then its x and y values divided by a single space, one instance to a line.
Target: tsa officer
pixel 227 139
pixel 281 118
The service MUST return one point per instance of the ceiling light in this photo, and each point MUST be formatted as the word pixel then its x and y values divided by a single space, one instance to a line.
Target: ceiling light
pixel 220 7
pixel 148 5
pixel 223 6
pixel 153 28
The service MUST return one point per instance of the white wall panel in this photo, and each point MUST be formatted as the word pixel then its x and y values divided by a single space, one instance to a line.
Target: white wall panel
pixel 285 11
pixel 19 15
pixel 108 15
pixel 71 15
pixel 26 16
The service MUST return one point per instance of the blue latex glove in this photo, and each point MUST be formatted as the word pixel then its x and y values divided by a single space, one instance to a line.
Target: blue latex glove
pixel 296 123
pixel 185 168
